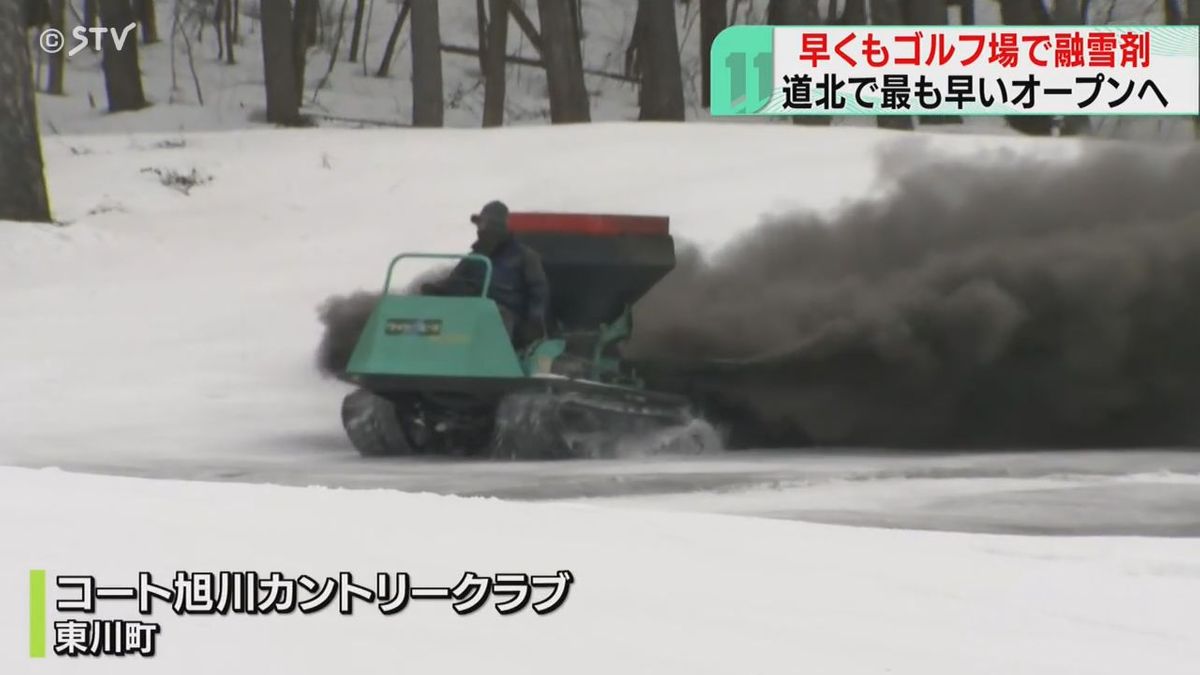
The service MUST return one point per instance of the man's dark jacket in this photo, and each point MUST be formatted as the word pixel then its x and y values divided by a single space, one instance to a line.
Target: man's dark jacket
pixel 518 279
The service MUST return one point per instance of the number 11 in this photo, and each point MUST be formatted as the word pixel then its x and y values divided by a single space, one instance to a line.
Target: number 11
pixel 736 62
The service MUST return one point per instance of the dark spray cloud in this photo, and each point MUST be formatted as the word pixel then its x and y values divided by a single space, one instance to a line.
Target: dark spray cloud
pixel 992 302
pixel 345 316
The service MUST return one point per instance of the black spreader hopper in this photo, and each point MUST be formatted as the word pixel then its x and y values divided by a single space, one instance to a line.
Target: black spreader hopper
pixel 596 264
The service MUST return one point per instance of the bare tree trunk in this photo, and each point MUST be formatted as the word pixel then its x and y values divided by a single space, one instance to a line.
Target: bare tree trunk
pixel 428 102
pixel 966 10
pixel 22 179
pixel 494 75
pixel 283 101
pixel 122 75
pixel 314 19
pixel 633 57
pixel 925 12
pixel 303 21
pixel 366 37
pixel 1172 13
pixel 712 22
pixel 854 13
pixel 385 64
pixel 793 13
pixel 360 8
pixel 218 17
pixel 145 11
pixel 54 81
pixel 319 23
pixel 1024 13
pixel 526 26
pixel 237 21
pixel 564 63
pixel 1067 12
pixel 661 94
pixel 481 33
pixel 36 13
pixel 337 45
pixel 229 34
pixel 171 49
pixel 734 10
pixel 187 45
pixel 150 23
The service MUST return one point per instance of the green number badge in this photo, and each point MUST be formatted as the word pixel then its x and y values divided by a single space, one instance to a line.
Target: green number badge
pixel 742 70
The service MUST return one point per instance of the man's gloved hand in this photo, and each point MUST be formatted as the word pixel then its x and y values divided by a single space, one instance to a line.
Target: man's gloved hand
pixel 531 330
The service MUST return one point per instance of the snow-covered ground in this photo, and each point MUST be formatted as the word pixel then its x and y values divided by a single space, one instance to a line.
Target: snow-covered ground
pixel 652 592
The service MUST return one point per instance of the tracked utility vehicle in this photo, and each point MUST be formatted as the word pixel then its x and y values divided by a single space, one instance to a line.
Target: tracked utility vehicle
pixel 440 375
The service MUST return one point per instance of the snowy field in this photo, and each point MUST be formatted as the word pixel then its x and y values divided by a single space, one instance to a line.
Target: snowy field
pixel 652 592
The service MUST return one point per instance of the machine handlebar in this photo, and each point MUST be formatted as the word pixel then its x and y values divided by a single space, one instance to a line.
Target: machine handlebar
pixel 487 266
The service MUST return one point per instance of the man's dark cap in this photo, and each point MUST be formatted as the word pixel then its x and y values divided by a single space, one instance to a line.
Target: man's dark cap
pixel 493 213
